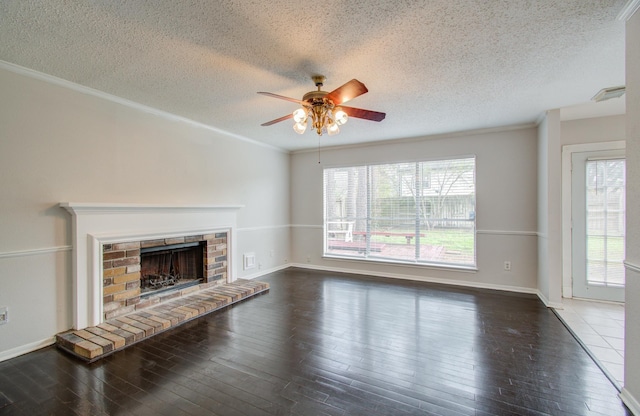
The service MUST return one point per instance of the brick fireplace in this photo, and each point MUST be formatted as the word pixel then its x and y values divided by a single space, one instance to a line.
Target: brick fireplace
pixel 107 244
pixel 138 274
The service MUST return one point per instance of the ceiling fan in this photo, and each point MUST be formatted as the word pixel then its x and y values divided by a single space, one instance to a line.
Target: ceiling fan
pixel 325 109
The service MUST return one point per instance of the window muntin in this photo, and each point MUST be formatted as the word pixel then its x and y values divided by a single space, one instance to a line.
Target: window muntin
pixel 417 212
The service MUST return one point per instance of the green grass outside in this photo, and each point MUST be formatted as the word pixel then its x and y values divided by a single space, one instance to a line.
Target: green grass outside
pixel 462 241
pixel 595 248
pixel 451 240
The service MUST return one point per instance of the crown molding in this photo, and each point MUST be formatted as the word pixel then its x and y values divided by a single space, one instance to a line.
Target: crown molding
pixel 462 133
pixel 628 10
pixel 31 73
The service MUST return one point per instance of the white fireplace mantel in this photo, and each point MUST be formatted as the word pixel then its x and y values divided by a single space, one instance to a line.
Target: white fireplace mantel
pixel 95 224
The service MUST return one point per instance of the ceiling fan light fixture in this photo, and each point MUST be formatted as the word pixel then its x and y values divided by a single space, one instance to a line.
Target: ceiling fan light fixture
pixel 332 128
pixel 300 115
pixel 340 116
pixel 300 127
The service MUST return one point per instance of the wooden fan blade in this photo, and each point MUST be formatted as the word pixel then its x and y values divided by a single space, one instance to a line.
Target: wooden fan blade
pixel 347 92
pixel 365 114
pixel 282 97
pixel 278 120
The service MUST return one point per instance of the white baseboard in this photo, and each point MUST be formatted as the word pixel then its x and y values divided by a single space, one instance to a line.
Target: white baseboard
pixel 547 302
pixel 427 279
pixel 262 272
pixel 631 402
pixel 24 349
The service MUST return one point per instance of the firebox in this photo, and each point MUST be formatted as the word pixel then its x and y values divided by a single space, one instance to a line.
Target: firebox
pixel 171 267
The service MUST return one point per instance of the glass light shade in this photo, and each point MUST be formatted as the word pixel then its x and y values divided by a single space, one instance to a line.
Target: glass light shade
pixel 333 129
pixel 300 127
pixel 299 115
pixel 340 116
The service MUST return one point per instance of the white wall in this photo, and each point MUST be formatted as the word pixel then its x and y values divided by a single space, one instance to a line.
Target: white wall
pixel 593 130
pixel 506 205
pixel 631 391
pixel 59 144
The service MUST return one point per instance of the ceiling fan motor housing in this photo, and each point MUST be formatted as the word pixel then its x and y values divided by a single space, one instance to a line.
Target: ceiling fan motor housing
pixel 316 97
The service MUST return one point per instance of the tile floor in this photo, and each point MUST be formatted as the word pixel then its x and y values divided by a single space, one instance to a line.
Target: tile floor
pixel 600 327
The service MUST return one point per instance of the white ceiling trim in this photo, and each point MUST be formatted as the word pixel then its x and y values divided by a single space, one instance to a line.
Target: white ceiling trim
pixel 629 9
pixel 127 103
pixel 463 133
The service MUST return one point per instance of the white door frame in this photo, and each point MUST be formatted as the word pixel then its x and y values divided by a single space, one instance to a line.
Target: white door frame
pixel 567 152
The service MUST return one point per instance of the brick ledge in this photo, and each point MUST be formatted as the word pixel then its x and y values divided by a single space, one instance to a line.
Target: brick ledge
pixel 93 343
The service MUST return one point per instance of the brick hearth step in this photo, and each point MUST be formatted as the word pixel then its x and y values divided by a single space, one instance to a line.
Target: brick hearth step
pixel 95 342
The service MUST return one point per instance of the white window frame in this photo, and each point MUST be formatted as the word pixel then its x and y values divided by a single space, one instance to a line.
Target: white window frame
pixel 366 255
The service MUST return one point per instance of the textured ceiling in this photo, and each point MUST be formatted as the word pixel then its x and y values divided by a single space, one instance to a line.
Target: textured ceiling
pixel 433 66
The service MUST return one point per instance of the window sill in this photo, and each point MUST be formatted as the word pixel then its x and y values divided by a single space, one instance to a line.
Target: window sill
pixel 434 266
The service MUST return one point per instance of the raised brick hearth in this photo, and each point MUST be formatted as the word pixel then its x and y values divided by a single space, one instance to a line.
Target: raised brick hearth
pixel 95 342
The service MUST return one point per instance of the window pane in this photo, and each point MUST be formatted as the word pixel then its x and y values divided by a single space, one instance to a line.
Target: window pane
pixel 417 212
pixel 448 210
pixel 605 221
pixel 393 211
pixel 345 210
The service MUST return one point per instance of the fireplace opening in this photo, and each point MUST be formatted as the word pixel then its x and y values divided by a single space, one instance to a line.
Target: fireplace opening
pixel 171 267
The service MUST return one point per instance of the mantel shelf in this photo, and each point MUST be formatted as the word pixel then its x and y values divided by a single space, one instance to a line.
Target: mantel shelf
pixel 77 208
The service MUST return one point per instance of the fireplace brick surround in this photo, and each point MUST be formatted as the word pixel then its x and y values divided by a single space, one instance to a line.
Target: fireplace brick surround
pixel 121 272
pixel 98 225
pixel 110 312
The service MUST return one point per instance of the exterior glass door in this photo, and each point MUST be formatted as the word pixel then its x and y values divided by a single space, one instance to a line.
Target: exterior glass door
pixel 598 225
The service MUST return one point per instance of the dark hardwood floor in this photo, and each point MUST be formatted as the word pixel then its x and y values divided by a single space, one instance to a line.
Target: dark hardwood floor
pixel 322 343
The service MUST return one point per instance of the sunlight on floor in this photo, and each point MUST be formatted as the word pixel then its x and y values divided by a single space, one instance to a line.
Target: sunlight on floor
pixel 600 327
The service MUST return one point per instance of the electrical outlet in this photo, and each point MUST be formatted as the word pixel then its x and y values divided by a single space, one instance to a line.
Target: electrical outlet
pixel 4 315
pixel 308 258
pixel 507 266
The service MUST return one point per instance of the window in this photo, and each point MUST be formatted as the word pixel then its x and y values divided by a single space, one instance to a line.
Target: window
pixel 417 212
